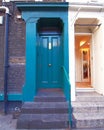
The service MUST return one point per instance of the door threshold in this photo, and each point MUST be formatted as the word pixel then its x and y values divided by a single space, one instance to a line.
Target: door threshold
pixel 85 89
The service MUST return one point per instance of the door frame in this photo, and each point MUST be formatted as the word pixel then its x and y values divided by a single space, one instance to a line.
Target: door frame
pixel 91 55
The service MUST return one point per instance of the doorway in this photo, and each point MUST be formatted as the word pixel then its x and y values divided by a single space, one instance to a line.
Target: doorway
pixel 49 53
pixel 85 33
pixel 43 18
pixel 83 60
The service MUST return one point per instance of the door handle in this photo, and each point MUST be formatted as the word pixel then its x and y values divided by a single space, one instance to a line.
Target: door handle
pixel 49 65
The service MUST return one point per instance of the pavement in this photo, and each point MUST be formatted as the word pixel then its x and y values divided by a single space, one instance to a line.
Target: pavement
pixel 90 129
pixel 8 123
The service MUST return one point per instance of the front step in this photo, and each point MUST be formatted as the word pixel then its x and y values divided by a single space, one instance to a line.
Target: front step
pixel 47 112
pixel 86 107
pixel 88 111
pixel 50 98
pixel 50 95
pixel 89 96
pixel 45 107
pixel 89 120
pixel 43 121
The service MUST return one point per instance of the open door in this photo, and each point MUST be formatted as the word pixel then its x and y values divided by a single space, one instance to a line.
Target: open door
pixel 83 60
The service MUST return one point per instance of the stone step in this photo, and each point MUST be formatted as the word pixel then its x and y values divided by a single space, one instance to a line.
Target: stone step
pixel 88 111
pixel 49 111
pixel 45 107
pixel 88 129
pixel 50 95
pixel 88 94
pixel 90 98
pixel 50 92
pixel 50 98
pixel 82 107
pixel 43 121
pixel 88 120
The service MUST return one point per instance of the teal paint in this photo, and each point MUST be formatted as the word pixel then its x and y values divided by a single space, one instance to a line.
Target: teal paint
pixel 66 62
pixel 44 5
pixel 29 90
pixel 31 12
pixel 1 96
pixel 15 97
pixel 49 61
pixel 43 10
pixel 12 97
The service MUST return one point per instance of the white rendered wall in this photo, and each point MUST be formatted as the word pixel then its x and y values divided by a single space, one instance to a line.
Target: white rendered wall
pixel 71 58
pixel 98 41
pixel 97 49
pixel 86 1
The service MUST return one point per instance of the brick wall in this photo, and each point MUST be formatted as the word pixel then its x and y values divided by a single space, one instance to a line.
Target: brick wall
pixel 0 2
pixel 16 70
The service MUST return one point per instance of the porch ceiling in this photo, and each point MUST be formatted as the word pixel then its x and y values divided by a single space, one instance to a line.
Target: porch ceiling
pixel 87 23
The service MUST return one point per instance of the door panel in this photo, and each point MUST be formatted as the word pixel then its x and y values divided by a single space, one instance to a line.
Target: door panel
pixel 55 59
pixel 44 60
pixel 49 62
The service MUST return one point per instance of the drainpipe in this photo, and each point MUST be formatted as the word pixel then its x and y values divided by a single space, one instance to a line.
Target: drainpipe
pixel 6 56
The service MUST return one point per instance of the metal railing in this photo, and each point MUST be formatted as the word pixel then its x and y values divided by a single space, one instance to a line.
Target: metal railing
pixel 67 92
pixel 66 75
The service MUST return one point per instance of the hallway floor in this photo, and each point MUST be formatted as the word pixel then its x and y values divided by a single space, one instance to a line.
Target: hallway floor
pixel 83 85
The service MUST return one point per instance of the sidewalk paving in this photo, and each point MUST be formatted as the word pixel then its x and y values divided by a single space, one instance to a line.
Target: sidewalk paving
pixel 90 129
pixel 8 123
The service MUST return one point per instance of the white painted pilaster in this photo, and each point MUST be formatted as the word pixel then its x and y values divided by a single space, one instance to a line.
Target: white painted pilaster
pixel 71 58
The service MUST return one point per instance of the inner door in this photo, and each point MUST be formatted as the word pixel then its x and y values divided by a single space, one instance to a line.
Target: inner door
pixel 49 55
pixel 85 65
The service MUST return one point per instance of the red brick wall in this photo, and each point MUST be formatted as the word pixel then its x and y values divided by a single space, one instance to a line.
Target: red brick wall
pixel 16 69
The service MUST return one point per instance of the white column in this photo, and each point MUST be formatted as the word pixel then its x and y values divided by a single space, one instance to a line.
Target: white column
pixel 71 58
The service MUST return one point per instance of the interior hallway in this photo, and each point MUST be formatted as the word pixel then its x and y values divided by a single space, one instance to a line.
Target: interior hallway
pixel 83 85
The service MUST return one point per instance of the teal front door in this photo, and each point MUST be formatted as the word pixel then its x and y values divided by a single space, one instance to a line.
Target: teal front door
pixel 49 61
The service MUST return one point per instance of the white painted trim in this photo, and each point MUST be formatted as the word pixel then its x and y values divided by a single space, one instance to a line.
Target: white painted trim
pixel 83 33
pixel 85 90
pixel 92 64
pixel 4 8
pixel 83 6
pixel 1 19
pixel 71 59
